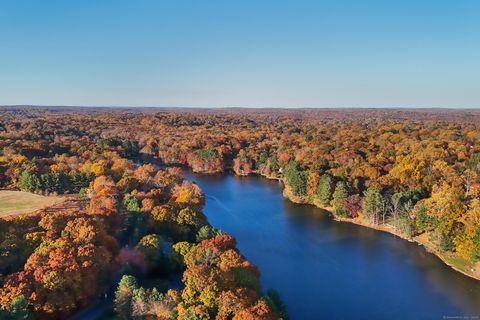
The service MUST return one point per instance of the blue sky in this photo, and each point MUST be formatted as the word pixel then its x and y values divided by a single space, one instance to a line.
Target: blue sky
pixel 254 53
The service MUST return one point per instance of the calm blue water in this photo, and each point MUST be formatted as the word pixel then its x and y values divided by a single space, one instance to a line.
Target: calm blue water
pixel 330 270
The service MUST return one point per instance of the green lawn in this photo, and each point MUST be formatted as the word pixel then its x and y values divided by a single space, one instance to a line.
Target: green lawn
pixel 19 202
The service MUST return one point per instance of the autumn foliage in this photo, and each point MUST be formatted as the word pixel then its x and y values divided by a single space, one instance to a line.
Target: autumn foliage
pixel 415 171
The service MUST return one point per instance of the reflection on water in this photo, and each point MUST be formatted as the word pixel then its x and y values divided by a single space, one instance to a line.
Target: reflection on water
pixel 328 269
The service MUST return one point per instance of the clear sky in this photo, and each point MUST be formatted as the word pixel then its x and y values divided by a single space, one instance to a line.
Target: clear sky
pixel 254 53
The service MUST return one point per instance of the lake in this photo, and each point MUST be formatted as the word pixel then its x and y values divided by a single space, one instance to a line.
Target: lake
pixel 328 269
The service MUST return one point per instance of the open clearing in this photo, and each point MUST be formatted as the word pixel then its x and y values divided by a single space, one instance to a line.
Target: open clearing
pixel 19 202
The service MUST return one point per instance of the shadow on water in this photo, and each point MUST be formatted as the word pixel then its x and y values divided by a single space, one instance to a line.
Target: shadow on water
pixel 328 269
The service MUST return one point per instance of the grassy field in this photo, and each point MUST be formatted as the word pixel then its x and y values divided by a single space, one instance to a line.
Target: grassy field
pixel 18 202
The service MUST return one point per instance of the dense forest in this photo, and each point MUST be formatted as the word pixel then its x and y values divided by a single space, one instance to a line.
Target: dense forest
pixel 129 216
pixel 124 224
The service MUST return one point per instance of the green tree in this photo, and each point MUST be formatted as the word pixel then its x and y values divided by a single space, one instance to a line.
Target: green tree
pixel 130 148
pixel 324 189
pixel 48 182
pixel 424 222
pixel 476 241
pixel 54 182
pixel 246 278
pixel 262 159
pixel 372 205
pixel 131 203
pixel 275 303
pixel 139 301
pixel 151 246
pixel 274 165
pixel 339 196
pixel 29 181
pixel 474 161
pixel 80 180
pixel 192 217
pixel 208 154
pixel 136 225
pixel 124 296
pixel 446 242
pixel 296 178
pixel 19 309
pixel 155 295
pixel 207 232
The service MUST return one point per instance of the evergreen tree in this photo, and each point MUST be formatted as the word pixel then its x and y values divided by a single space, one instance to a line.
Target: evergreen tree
pixel 424 221
pixel 29 181
pixel 474 161
pixel 296 178
pixel 130 148
pixel 207 232
pixel 275 303
pixel 155 295
pixel 476 241
pixel 124 296
pixel 324 189
pixel 372 204
pixel 339 196
pixel 151 246
pixel 446 242
pixel 80 180
pixel 54 182
pixel 48 182
pixel 274 165
pixel 262 159
pixel 19 309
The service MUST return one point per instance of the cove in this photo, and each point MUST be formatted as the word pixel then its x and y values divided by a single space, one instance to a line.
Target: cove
pixel 324 269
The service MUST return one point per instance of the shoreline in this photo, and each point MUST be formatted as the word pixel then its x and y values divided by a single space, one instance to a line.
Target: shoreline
pixel 420 239
pixel 444 257
pixel 425 244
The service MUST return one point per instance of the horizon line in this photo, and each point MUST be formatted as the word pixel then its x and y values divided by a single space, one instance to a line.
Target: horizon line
pixel 234 107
